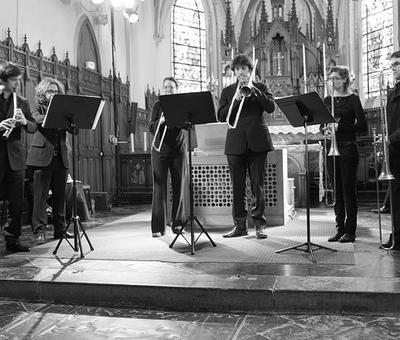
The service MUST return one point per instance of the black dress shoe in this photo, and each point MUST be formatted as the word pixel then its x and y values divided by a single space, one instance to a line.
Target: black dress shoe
pixel 382 210
pixel 178 230
pixel 16 247
pixel 335 238
pixel 346 238
pixel 236 232
pixel 66 235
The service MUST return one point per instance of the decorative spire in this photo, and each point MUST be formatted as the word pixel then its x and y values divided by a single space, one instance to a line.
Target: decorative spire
pixel 229 33
pixel 264 16
pixel 330 29
pixel 293 12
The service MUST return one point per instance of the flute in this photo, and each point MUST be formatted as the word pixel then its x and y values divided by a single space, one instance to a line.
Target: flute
pixel 7 133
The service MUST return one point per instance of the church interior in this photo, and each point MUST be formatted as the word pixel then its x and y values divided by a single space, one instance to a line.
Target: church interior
pixel 121 51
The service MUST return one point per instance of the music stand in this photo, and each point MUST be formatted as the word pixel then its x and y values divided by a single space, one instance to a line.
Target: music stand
pixel 73 113
pixel 304 110
pixel 184 111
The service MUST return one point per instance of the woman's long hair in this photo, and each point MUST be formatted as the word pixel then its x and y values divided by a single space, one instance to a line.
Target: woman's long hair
pixel 43 86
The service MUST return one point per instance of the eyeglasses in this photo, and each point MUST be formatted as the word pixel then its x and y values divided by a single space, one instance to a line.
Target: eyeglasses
pixel 395 64
pixel 335 78
pixel 51 91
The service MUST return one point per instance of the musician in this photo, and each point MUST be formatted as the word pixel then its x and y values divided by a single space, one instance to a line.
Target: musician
pixel 172 157
pixel 247 145
pixel 49 157
pixel 393 115
pixel 13 152
pixel 351 120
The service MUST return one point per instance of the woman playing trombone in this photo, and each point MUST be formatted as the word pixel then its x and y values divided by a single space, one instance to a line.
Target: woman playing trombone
pixel 242 105
pixel 168 153
pixel 343 170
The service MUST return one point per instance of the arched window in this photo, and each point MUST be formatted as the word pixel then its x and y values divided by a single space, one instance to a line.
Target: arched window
pixel 189 45
pixel 280 11
pixel 377 43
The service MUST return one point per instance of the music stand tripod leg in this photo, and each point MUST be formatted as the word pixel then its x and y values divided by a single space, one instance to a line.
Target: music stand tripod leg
pixel 308 245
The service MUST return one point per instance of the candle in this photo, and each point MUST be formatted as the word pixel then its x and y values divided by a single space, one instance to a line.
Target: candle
pixel 324 69
pixel 304 68
pixel 254 54
pixel 145 141
pixel 132 141
pixel 15 100
pixel 232 53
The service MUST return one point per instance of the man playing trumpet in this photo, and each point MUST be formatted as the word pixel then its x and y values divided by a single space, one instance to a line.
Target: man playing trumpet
pixel 12 151
pixel 247 144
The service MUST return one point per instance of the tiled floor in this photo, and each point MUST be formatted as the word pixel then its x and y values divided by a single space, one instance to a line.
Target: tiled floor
pixel 22 320
pixel 374 271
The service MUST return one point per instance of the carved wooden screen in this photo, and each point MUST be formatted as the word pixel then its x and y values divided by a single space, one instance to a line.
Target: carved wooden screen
pixel 95 156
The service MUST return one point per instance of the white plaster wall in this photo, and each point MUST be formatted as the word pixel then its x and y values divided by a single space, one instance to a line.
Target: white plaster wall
pixel 56 23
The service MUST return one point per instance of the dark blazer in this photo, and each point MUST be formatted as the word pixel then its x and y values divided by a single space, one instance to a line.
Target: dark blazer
pixel 41 152
pixel 15 146
pixel 252 131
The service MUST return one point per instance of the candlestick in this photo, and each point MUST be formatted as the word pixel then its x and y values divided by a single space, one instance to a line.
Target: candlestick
pixel 304 69
pixel 145 141
pixel 324 70
pixel 132 140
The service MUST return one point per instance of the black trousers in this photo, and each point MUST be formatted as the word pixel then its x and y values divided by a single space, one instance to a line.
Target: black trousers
pixel 12 189
pixel 395 183
pixel 176 165
pixel 345 187
pixel 54 177
pixel 254 162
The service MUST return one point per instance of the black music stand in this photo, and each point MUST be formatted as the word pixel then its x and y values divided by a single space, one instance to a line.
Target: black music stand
pixel 304 110
pixel 184 111
pixel 73 113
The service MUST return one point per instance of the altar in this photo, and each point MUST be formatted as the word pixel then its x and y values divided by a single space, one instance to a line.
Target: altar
pixel 212 191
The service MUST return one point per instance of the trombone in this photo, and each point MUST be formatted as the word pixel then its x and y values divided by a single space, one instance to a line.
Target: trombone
pixel 333 152
pixel 385 174
pixel 7 133
pixel 153 144
pixel 245 91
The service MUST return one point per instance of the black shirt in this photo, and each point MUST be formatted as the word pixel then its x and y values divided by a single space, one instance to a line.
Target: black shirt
pixel 350 116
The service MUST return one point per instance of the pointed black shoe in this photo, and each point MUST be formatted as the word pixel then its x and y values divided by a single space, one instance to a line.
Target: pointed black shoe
pixel 178 230
pixel 16 247
pixel 335 238
pixel 347 238
pixel 66 235
pixel 236 232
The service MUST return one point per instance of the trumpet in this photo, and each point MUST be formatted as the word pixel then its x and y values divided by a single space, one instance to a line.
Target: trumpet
pixel 385 174
pixel 153 144
pixel 7 133
pixel 245 91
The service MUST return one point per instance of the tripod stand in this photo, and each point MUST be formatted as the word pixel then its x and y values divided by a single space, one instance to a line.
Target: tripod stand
pixel 71 113
pixel 191 219
pixel 75 220
pixel 307 108
pixel 188 109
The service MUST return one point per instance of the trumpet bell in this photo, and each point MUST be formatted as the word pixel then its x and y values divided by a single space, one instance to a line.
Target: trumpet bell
pixel 385 174
pixel 245 91
pixel 334 151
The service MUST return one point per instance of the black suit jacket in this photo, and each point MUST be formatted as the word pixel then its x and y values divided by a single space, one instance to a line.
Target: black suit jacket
pixel 252 131
pixel 15 146
pixel 41 152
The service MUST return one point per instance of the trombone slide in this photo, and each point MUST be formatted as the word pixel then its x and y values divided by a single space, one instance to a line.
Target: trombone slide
pixel 153 144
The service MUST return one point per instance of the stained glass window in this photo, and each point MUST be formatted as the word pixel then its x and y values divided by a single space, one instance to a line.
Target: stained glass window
pixel 188 45
pixel 377 43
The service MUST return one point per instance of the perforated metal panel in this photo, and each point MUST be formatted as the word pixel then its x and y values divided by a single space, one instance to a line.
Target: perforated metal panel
pixel 212 186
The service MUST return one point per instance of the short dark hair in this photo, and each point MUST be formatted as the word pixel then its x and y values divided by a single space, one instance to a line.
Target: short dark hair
pixel 8 70
pixel 170 79
pixel 242 60
pixel 395 54
pixel 344 73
